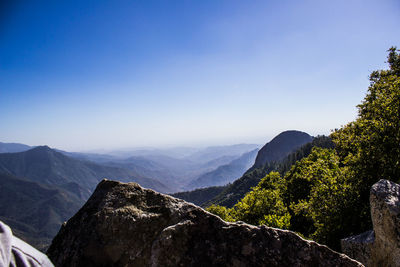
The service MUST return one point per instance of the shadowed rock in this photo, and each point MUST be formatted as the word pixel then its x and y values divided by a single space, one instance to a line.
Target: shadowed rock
pixel 123 224
pixel 359 247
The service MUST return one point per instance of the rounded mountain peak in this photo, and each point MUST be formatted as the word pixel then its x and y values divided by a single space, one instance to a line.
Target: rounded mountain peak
pixel 280 146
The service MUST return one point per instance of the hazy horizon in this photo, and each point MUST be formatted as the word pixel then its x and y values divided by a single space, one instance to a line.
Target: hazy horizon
pixel 105 150
pixel 80 76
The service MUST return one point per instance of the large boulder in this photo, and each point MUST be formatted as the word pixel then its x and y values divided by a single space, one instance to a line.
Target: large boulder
pixel 380 247
pixel 123 224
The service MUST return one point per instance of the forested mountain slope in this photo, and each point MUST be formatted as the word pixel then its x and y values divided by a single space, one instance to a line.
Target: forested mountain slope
pixel 267 159
pixel 280 146
pixel 35 211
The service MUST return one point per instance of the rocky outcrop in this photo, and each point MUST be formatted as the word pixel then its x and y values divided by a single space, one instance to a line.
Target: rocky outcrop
pixel 123 224
pixel 380 247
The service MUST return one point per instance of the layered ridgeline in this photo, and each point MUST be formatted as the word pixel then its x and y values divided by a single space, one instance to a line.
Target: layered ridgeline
pixel 226 173
pixel 211 195
pixel 268 157
pixel 237 190
pixel 41 188
pixel 13 147
pixel 177 167
pixel 61 181
pixel 45 165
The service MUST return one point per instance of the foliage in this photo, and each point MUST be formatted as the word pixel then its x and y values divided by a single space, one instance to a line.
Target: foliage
pixel 221 211
pixel 318 196
pixel 370 145
pixel 319 141
pixel 263 205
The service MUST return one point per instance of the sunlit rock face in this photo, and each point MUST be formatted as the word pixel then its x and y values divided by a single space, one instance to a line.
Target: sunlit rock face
pixel 380 247
pixel 123 224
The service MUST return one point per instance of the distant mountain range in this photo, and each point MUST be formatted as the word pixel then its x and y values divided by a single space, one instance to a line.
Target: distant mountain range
pixel 176 172
pixel 269 156
pixel 13 147
pixel 189 153
pixel 226 173
pixel 212 153
pixel 45 165
pixel 42 187
pixel 282 151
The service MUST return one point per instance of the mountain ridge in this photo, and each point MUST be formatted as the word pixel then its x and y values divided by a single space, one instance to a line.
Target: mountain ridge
pixel 280 146
pixel 225 174
pixel 13 147
pixel 45 165
pixel 35 211
pixel 271 153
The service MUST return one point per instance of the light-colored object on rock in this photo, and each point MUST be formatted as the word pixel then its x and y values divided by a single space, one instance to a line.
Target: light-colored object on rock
pixel 380 247
pixel 126 225
pixel 16 253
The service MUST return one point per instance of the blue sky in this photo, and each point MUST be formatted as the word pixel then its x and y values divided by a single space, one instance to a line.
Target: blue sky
pixel 81 75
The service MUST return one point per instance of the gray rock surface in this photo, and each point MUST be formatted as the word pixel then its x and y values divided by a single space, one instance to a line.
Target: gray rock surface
pixel 123 224
pixel 359 247
pixel 385 212
pixel 380 247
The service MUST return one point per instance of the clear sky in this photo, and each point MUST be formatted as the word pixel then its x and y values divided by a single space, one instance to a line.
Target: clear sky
pixel 80 75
